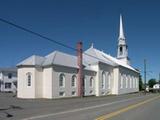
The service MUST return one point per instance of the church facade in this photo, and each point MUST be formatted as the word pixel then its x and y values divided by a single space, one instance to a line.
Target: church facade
pixel 55 75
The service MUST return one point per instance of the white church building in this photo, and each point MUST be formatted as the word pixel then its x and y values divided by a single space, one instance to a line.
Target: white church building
pixel 56 74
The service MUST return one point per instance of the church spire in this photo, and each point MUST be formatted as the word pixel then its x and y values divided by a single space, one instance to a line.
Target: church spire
pixel 121 32
pixel 122 53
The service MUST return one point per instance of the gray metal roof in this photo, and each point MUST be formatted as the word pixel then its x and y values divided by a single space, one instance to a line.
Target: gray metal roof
pixel 90 56
pixel 60 58
pixel 54 58
pixel 93 56
pixel 100 56
pixel 33 60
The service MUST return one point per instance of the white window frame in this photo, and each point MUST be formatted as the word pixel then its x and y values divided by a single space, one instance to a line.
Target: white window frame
pixel 62 94
pixel 121 81
pixel 63 80
pixel 8 85
pixel 124 81
pixel 103 80
pixel 109 80
pixel 91 82
pixel 74 81
pixel 29 79
pixel 130 81
pixel 74 93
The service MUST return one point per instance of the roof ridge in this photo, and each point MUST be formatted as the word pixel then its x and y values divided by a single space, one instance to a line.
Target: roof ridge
pixel 54 56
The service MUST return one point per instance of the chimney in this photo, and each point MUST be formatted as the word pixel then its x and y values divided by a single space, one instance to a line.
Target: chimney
pixel 80 69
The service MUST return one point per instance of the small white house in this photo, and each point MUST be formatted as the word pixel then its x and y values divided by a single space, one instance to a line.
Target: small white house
pixel 156 86
pixel 8 79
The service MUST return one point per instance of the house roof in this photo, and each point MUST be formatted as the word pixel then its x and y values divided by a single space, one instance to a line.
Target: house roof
pixel 8 69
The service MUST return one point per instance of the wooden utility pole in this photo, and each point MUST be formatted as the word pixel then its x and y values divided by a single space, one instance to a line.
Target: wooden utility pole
pixel 159 82
pixel 145 76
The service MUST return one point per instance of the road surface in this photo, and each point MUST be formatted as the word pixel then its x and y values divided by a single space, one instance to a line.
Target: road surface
pixel 123 107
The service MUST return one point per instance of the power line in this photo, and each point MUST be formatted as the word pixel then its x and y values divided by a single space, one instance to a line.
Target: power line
pixel 37 34
pixel 44 37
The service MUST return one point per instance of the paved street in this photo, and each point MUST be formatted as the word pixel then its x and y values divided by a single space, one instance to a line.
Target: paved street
pixel 123 107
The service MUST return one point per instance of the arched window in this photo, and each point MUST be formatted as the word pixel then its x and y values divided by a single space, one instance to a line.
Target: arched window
pixel 74 79
pixel 109 80
pixel 137 82
pixel 121 50
pixel 61 80
pixel 29 79
pixel 124 81
pixel 130 83
pixel 103 79
pixel 134 82
pixel 121 81
pixel 91 82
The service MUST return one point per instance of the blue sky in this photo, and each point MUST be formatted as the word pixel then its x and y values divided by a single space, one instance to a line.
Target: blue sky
pixel 91 21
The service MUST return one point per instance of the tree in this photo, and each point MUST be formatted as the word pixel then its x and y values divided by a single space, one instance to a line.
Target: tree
pixel 152 82
pixel 140 83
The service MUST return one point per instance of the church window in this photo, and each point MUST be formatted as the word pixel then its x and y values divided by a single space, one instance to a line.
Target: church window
pixel 74 79
pixel 61 80
pixel 62 93
pixel 109 81
pixel 126 82
pixel 91 82
pixel 73 93
pixel 29 78
pixel 121 81
pixel 121 50
pixel 103 79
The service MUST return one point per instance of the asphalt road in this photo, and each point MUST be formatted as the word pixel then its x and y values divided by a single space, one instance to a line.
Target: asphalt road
pixel 123 107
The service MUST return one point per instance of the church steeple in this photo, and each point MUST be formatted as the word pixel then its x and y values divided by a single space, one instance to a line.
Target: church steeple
pixel 122 46
pixel 121 32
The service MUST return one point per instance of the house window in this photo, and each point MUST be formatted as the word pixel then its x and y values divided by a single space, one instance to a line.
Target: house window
pixel 61 80
pixel 8 85
pixel 29 78
pixel 91 82
pixel 74 79
pixel 103 79
pixel 61 93
pixel 9 75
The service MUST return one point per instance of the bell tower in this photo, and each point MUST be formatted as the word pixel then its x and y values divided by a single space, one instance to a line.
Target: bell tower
pixel 122 53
